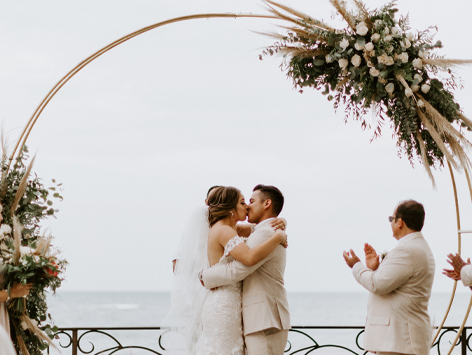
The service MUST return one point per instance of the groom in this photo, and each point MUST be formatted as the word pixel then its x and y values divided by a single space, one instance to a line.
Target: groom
pixel 266 316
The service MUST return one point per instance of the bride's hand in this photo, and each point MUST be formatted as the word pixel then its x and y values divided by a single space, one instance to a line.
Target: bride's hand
pixel 282 237
pixel 279 223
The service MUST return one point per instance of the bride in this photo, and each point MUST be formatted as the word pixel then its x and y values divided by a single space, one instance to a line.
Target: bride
pixel 209 322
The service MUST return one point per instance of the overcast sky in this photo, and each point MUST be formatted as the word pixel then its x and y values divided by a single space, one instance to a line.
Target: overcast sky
pixel 139 135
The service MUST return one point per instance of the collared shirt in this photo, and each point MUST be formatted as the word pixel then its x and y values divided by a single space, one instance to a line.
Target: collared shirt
pixel 264 222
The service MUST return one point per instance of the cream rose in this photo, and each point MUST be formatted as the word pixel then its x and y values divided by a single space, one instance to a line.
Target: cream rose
pixel 6 229
pixel 425 88
pixel 403 57
pixel 343 63
pixel 396 31
pixel 375 37
pixel 410 36
pixel 420 103
pixel 386 31
pixel 358 46
pixel 382 81
pixel 356 60
pixel 418 63
pixel 329 58
pixel 369 47
pixel 344 43
pixel 415 88
pixel 361 29
pixel 26 250
pixel 390 88
pixel 388 38
pixel 374 72
pixel 408 92
pixel 405 44
pixel 378 23
pixel 418 77
pixel 422 54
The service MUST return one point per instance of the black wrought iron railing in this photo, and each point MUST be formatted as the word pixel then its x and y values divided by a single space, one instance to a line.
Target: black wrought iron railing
pixel 302 340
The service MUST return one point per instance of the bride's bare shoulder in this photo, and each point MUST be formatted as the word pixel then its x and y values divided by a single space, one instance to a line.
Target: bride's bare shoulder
pixel 223 233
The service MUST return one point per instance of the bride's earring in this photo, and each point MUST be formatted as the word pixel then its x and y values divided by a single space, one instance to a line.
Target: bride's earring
pixel 231 213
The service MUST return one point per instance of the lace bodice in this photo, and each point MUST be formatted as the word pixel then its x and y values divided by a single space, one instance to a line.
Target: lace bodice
pixel 230 245
pixel 222 322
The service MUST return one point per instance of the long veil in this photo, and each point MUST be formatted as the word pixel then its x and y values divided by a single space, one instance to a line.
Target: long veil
pixel 183 323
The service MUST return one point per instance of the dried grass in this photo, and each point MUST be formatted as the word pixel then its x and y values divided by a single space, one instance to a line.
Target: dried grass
pixel 437 138
pixel 22 187
pixel 34 329
pixel 364 12
pixel 339 6
pixel 447 63
pixel 17 229
pixel 424 158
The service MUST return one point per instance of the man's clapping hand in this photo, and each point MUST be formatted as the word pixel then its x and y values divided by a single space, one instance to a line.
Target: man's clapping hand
pixel 371 258
pixel 457 263
pixel 351 258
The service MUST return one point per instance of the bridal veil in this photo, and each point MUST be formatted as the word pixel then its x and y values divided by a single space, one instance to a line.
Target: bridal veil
pixel 183 323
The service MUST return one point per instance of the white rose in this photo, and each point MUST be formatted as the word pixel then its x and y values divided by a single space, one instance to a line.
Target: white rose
pixel 329 58
pixel 344 43
pixel 358 46
pixel 26 250
pixel 382 81
pixel 422 54
pixel 390 61
pixel 378 23
pixel 375 37
pixel 415 88
pixel 418 77
pixel 403 57
pixel 361 29
pixel 382 59
pixel 388 38
pixel 356 60
pixel 405 44
pixel 370 64
pixel 390 49
pixel 6 229
pixel 343 63
pixel 420 103
pixel 374 72
pixel 418 63
pixel 425 88
pixel 410 36
pixel 386 31
pixel 369 47
pixel 396 31
pixel 390 88
pixel 408 92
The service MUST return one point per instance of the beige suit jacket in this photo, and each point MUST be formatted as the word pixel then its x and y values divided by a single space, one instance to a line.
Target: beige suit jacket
pixel 265 302
pixel 397 310
pixel 466 275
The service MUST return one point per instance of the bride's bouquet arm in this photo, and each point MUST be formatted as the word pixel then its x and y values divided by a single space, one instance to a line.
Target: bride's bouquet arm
pixel 226 274
pixel 17 291
pixel 250 257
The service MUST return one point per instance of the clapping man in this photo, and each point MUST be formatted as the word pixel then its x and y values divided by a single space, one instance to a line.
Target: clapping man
pixel 461 270
pixel 400 287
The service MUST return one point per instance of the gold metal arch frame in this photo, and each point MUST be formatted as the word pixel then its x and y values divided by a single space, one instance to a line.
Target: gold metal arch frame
pixel 47 99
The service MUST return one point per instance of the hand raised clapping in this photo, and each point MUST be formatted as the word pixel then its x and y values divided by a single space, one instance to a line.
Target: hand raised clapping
pixel 457 263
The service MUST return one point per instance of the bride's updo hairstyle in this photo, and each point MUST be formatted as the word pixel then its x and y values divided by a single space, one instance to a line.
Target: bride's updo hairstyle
pixel 221 202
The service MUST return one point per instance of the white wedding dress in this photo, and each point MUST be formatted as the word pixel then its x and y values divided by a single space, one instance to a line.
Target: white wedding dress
pixel 222 328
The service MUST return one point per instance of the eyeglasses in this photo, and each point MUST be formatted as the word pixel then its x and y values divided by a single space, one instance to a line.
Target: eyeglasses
pixel 392 218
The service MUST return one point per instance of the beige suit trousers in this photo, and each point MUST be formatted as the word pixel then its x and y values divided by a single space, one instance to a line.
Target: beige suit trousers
pixel 267 342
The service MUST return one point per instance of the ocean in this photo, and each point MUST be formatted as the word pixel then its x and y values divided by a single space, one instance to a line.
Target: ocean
pixel 147 309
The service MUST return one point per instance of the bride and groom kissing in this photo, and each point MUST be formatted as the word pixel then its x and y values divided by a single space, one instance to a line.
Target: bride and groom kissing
pixel 242 267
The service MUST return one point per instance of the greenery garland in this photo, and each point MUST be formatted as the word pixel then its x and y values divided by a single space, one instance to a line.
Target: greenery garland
pixel 376 63
pixel 28 256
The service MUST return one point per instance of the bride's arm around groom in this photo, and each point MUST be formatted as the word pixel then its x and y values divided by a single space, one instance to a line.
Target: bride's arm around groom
pixel 265 307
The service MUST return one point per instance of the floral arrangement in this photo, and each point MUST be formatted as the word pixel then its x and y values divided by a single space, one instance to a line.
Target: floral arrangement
pixel 377 63
pixel 26 255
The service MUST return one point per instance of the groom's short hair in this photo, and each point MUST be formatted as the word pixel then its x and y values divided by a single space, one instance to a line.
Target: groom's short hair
pixel 412 213
pixel 272 193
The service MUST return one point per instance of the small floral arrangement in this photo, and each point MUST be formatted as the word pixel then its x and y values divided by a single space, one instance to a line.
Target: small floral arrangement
pixel 26 255
pixel 377 63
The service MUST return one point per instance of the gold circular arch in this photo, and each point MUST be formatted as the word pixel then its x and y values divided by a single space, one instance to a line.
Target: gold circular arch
pixel 47 99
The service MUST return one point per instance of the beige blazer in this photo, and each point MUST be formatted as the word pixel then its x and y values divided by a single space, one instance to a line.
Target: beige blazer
pixel 466 275
pixel 397 310
pixel 265 302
